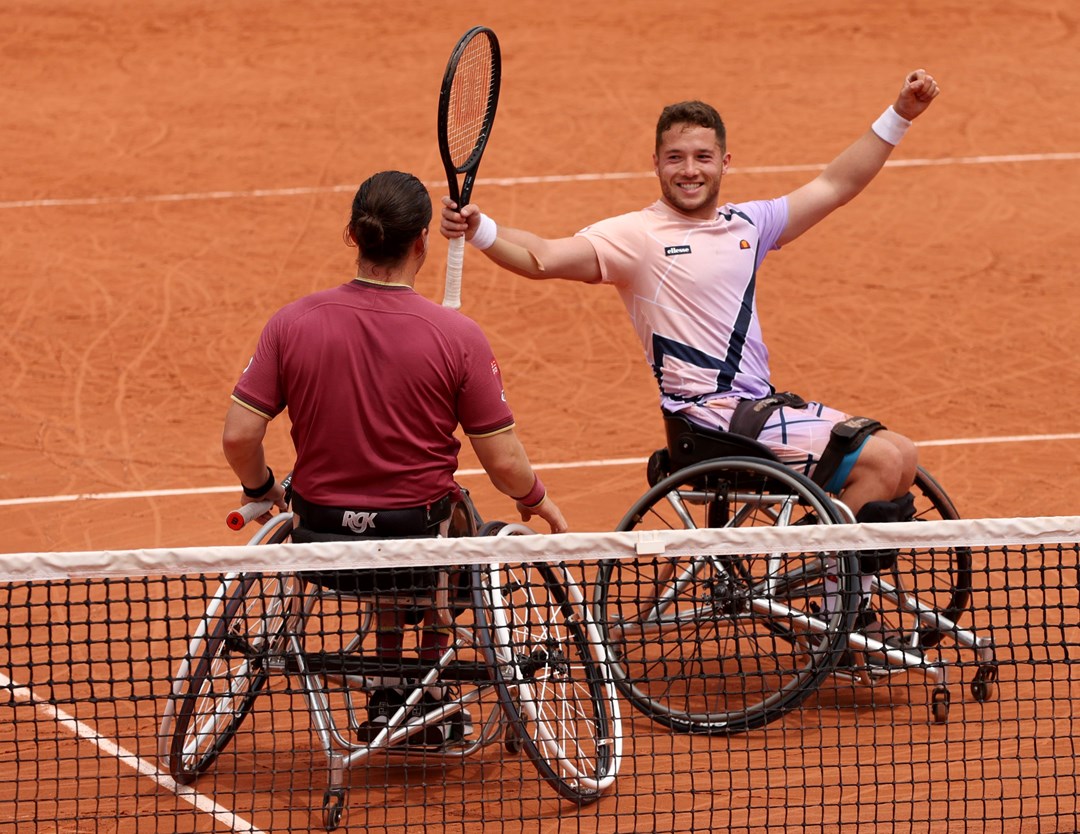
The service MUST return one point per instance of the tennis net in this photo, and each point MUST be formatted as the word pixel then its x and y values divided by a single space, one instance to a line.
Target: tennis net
pixel 668 681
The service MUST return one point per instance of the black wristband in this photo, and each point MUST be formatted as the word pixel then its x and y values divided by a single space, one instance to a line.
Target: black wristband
pixel 265 488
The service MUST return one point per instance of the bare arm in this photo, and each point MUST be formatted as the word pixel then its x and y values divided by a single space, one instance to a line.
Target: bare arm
pixel 242 443
pixel 524 253
pixel 507 465
pixel 856 166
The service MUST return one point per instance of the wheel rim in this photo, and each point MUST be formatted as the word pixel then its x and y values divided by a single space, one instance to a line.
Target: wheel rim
pixel 737 650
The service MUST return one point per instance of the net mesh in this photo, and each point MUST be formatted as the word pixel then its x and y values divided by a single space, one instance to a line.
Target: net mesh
pixel 200 689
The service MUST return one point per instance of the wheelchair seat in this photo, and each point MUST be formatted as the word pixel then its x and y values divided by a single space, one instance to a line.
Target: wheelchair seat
pixel 420 582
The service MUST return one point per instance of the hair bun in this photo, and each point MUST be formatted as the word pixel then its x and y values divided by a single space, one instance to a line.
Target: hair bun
pixel 390 211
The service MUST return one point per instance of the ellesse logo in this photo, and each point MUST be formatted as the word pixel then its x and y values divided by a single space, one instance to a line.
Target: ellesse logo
pixel 676 250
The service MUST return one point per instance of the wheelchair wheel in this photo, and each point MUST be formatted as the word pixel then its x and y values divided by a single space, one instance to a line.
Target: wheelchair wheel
pixel 938 578
pixel 226 668
pixel 949 574
pixel 725 643
pixel 551 675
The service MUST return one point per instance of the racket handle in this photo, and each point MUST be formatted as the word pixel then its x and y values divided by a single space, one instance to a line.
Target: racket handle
pixel 455 259
pixel 249 512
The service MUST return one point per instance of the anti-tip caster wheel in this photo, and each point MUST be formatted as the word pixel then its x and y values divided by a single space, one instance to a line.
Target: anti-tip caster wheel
pixel 984 684
pixel 940 705
pixel 333 806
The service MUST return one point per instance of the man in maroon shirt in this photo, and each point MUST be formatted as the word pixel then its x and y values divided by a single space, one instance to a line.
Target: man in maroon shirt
pixel 376 379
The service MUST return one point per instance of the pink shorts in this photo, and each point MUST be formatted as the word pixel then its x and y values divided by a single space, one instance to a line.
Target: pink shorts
pixel 797 436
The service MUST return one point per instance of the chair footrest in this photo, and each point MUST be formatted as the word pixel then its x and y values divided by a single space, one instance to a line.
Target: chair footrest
pixel 336 663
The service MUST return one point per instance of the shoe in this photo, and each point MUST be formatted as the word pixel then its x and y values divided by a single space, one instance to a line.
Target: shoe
pixel 384 702
pixel 454 728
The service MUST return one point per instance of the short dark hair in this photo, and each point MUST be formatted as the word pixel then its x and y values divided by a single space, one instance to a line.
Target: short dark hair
pixel 691 113
pixel 389 212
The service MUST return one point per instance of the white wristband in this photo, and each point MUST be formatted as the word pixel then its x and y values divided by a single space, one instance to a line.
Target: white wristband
pixel 485 233
pixel 891 126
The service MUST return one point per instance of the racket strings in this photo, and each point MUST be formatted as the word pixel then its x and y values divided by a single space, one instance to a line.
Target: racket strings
pixel 471 94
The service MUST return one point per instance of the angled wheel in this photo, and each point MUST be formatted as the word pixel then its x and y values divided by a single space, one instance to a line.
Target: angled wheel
pixel 720 643
pixel 944 573
pixel 226 668
pixel 938 578
pixel 551 675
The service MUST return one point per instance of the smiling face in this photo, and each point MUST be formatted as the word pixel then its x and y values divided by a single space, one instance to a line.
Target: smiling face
pixel 690 164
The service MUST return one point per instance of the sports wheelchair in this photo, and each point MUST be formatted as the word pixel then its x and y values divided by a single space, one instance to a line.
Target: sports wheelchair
pixel 726 643
pixel 524 661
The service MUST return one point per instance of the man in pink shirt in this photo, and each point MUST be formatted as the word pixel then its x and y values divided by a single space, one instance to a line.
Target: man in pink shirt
pixel 686 269
pixel 376 379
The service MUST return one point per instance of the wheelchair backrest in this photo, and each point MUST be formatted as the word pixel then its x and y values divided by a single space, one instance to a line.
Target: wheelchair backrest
pixel 688 444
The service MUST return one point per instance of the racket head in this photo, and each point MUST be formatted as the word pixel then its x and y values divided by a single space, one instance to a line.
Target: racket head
pixel 467 102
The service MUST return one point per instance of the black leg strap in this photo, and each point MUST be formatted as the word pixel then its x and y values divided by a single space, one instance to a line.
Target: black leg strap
pixel 902 509
pixel 749 416
pixel 845 437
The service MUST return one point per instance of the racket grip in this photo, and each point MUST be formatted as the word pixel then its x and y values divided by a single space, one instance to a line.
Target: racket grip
pixel 249 512
pixel 455 259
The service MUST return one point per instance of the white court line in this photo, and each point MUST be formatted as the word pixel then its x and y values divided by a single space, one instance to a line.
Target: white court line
pixel 1003 159
pixel 87 733
pixel 1018 438
pixel 579 464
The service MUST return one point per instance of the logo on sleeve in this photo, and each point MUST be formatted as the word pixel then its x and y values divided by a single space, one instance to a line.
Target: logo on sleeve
pixel 670 251
pixel 494 368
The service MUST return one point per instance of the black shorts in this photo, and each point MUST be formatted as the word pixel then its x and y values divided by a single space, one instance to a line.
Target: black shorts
pixel 318 523
pixel 372 523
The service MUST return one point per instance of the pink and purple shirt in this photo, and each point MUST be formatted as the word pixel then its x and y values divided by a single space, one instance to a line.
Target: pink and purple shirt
pixel 376 379
pixel 689 287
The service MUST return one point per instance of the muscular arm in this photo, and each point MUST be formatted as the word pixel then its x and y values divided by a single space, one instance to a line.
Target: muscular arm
pixel 524 253
pixel 242 443
pixel 507 465
pixel 851 171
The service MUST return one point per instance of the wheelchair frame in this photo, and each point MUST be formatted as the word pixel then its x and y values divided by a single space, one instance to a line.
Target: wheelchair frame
pixel 533 644
pixel 722 644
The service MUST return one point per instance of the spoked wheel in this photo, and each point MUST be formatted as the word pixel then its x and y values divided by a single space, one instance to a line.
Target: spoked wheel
pixel 226 668
pixel 721 643
pixel 551 675
pixel 939 579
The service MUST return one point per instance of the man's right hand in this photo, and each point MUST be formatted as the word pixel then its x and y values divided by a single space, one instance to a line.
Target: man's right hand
pixel 455 223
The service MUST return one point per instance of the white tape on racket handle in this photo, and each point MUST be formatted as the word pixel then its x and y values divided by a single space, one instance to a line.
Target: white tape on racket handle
pixel 249 512
pixel 455 259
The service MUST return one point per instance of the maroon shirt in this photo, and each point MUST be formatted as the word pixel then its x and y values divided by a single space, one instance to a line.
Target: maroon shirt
pixel 376 379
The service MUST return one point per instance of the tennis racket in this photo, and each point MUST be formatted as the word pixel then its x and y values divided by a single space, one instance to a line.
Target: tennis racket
pixel 467 102
pixel 245 514
pixel 242 516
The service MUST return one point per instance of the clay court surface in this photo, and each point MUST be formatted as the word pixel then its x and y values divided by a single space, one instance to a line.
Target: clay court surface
pixel 176 171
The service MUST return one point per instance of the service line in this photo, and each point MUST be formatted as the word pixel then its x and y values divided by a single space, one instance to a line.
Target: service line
pixel 302 191
pixel 577 464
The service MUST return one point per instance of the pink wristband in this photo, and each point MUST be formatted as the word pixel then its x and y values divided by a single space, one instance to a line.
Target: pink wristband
pixel 535 497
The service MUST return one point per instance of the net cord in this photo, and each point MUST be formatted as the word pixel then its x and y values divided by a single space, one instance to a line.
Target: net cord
pixel 381 553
